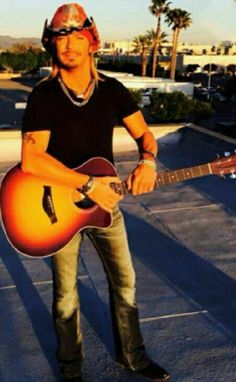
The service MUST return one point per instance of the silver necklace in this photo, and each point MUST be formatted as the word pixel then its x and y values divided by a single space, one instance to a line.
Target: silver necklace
pixel 66 92
pixel 81 95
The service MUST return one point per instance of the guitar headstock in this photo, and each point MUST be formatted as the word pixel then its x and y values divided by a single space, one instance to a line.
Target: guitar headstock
pixel 224 165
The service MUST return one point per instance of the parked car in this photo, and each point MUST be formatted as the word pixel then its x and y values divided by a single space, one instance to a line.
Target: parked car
pixel 146 96
pixel 218 97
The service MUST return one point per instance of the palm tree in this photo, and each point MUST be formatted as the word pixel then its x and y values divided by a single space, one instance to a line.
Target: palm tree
pixel 180 19
pixel 142 45
pixel 157 8
pixel 227 45
pixel 162 39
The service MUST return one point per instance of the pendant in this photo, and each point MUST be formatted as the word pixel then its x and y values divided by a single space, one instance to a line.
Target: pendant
pixel 79 98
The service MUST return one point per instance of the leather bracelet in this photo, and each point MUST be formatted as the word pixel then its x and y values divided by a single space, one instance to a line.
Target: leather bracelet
pixel 148 152
pixel 87 186
pixel 149 163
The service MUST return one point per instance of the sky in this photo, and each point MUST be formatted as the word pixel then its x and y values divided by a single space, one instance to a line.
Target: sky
pixel 213 20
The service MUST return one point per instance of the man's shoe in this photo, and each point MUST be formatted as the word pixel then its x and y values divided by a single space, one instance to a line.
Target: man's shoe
pixel 70 373
pixel 154 372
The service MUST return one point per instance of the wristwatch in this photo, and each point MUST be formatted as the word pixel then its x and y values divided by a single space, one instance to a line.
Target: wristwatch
pixel 87 186
pixel 149 153
pixel 149 163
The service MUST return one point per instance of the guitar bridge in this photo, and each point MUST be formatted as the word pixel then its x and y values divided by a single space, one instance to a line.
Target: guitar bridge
pixel 48 206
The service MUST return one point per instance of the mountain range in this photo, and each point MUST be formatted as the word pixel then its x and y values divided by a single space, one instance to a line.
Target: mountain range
pixel 6 42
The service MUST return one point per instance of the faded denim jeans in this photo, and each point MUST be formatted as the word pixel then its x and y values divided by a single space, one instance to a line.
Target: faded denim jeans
pixel 112 247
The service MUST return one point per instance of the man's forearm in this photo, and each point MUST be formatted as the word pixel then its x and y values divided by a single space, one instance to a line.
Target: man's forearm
pixel 51 170
pixel 147 146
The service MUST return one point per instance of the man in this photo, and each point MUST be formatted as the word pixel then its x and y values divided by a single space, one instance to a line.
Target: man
pixel 69 119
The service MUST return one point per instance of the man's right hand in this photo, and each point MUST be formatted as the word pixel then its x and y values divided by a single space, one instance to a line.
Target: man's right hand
pixel 102 193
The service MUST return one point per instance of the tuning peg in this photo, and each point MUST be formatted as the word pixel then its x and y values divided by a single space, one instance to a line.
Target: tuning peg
pixel 233 175
pixel 217 156
pixel 227 153
pixel 222 175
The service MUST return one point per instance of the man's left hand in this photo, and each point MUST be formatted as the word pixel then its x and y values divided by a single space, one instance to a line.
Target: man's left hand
pixel 142 179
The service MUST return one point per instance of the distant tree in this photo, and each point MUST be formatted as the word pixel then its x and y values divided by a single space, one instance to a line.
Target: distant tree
pixel 199 110
pixel 22 62
pixel 7 61
pixel 25 62
pixel 44 58
pixel 191 68
pixel 137 95
pixel 176 106
pixel 227 45
pixel 142 45
pixel 231 68
pixel 179 19
pixel 157 8
pixel 25 47
pixel 210 67
pixel 162 40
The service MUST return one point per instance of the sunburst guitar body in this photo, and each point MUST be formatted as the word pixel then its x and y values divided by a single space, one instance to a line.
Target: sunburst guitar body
pixel 39 218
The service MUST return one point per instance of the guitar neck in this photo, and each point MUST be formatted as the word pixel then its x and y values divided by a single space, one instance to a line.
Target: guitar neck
pixel 169 177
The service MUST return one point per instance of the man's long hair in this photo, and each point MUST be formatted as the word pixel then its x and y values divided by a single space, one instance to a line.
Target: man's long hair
pixel 93 69
pixel 55 65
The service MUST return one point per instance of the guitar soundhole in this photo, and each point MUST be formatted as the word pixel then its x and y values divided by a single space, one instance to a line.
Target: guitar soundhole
pixel 85 204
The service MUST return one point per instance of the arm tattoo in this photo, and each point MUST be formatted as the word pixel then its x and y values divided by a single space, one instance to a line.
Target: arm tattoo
pixel 28 138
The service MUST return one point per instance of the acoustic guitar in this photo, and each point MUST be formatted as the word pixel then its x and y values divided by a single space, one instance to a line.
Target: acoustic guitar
pixel 39 219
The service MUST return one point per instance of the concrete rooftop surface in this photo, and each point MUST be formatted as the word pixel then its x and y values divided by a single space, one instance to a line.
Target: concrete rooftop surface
pixel 183 243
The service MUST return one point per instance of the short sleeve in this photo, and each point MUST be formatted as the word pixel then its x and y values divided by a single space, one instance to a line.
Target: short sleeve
pixel 38 114
pixel 126 103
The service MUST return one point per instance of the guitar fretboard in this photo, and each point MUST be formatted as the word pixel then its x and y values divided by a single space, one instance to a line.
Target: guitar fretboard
pixel 169 177
pixel 120 188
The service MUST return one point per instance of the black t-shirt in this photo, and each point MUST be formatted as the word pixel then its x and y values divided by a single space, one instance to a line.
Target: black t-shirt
pixel 78 133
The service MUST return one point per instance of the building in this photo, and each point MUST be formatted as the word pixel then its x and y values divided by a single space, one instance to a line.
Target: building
pixel 199 49
pixel 124 47
pixel 221 61
pixel 118 47
pixel 162 85
pixel 221 54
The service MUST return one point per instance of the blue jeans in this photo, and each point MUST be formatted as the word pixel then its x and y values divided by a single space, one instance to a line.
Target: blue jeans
pixel 112 247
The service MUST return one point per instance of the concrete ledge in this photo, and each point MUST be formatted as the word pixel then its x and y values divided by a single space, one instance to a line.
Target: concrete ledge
pixel 10 146
pixel 122 141
pixel 8 76
pixel 212 133
pixel 10 141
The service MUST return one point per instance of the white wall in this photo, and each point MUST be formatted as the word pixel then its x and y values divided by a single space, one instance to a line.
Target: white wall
pixel 10 141
pixel 221 60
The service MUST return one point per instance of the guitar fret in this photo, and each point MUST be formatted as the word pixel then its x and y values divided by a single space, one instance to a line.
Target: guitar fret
pixel 160 179
pixel 169 177
pixel 119 188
